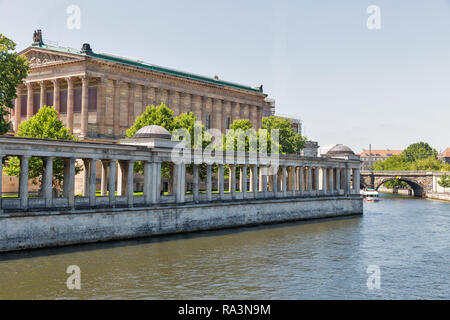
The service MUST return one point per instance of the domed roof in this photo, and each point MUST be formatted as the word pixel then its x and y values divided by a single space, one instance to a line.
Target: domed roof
pixel 340 150
pixel 153 132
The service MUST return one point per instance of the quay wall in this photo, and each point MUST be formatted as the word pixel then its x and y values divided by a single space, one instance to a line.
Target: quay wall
pixel 53 229
pixel 438 196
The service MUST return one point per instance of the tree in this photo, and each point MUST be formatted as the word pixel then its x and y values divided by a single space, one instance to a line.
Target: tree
pixel 289 141
pixel 444 182
pixel 419 151
pixel 13 69
pixel 164 117
pixel 44 125
pixel 396 162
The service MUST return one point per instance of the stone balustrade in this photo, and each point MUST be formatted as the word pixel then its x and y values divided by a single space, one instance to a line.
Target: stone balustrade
pixel 251 176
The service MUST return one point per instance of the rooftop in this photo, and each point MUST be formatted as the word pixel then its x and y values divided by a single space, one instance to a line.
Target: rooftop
pixel 381 153
pixel 143 65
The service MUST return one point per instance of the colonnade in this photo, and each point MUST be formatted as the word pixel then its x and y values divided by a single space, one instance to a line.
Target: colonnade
pixel 249 178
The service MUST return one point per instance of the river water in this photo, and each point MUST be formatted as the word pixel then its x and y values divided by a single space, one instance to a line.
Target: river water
pixel 407 240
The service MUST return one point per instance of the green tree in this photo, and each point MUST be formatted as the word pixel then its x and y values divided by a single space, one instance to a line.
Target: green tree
pixel 444 182
pixel 164 117
pixel 13 69
pixel 430 163
pixel 44 125
pixel 419 151
pixel 289 141
pixel 396 162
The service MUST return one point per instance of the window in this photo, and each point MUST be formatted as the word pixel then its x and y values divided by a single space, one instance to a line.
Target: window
pixel 208 122
pixel 227 123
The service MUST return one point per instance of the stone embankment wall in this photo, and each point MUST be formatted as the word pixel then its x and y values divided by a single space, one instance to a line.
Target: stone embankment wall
pixel 60 229
pixel 438 196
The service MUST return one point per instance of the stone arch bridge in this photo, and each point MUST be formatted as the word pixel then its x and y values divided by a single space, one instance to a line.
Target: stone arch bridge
pixel 421 182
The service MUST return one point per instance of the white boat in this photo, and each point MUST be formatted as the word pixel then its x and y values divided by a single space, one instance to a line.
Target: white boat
pixel 370 195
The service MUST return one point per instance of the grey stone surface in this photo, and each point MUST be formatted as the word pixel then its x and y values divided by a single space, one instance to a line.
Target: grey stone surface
pixel 60 229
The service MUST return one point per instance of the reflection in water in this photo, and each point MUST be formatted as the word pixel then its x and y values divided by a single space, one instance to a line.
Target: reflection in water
pixel 407 238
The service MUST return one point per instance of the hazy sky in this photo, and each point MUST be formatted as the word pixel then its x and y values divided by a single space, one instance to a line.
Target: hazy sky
pixel 317 59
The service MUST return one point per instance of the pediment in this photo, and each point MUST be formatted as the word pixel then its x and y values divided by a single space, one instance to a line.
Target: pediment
pixel 38 58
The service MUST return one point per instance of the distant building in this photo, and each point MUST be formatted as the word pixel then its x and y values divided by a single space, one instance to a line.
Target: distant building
pixel 368 158
pixel 311 149
pixel 445 156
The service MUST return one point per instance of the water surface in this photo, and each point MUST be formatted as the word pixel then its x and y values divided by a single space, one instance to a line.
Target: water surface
pixel 408 239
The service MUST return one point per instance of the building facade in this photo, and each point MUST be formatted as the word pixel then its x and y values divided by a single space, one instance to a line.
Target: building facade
pixel 99 96
pixel 369 157
pixel 445 156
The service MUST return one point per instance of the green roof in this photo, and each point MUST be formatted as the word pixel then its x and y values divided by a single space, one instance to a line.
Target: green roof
pixel 147 66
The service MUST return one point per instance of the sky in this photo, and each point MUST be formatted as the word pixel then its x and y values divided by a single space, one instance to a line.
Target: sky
pixel 388 87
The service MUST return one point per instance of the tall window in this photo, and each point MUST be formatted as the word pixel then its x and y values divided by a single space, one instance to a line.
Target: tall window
pixel 208 122
pixel 227 123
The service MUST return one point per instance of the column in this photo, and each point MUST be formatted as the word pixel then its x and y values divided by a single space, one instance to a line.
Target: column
pixel 131 99
pixel 56 95
pixel 357 181
pixel 195 191
pixel 18 111
pixel 92 182
pixel 43 95
pixel 338 179
pixel 148 183
pixel 84 106
pixel 264 181
pixel 316 178
pixel 254 182
pixel 70 101
pixel 23 182
pixel 293 180
pixel 130 183
pixel 47 181
pixel 155 181
pixel 284 177
pixel 324 179
pixel 310 178
pixel 274 180
pixel 301 182
pixel 180 182
pixel 116 109
pixel 112 182
pixel 197 102
pixel 217 114
pixel 233 181
pixel 244 181
pixel 208 182
pixel 69 181
pixel 104 181
pixel 86 164
pixel 220 174
pixel 29 100
pixel 347 175
pixel 174 102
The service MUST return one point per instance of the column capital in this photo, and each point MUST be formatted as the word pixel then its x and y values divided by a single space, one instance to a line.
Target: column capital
pixel 84 79
pixel 55 82
pixel 69 80
pixel 29 85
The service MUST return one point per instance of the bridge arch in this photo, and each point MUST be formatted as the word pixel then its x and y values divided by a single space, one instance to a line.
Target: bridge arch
pixel 415 186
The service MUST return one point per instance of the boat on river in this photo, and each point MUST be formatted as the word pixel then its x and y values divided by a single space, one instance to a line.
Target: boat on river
pixel 370 195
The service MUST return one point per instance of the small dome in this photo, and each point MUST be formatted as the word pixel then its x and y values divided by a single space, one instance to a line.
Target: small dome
pixel 340 150
pixel 153 132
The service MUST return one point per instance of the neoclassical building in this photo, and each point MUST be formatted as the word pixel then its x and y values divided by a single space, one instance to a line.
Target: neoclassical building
pixel 99 96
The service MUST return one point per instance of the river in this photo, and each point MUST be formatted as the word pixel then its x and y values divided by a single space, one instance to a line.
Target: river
pixel 407 240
